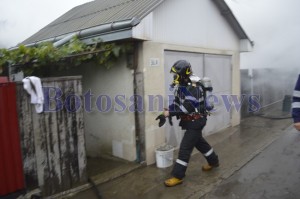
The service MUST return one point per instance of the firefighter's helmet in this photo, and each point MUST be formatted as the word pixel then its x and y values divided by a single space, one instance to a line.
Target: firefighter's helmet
pixel 182 70
pixel 182 67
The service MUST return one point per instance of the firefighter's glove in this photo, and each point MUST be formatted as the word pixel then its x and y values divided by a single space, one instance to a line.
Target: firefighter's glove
pixel 162 120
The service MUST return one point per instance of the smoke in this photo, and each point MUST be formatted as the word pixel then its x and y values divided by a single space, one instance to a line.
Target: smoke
pixel 274 27
pixel 274 63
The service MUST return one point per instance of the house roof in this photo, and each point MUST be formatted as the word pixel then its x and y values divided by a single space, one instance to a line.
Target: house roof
pixel 93 14
pixel 103 12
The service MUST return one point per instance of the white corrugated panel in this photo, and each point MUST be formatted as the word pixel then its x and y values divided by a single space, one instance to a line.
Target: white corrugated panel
pixel 193 23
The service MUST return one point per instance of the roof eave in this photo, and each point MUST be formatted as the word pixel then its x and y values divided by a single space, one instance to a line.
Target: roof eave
pixel 108 36
pixel 116 29
pixel 231 19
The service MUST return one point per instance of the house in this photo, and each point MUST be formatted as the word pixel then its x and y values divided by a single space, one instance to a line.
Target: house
pixel 123 102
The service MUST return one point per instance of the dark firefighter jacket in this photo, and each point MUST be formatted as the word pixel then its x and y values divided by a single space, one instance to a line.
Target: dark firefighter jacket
pixel 296 102
pixel 189 100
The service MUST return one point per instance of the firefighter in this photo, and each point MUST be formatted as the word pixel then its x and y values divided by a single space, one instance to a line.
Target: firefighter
pixel 296 105
pixel 189 105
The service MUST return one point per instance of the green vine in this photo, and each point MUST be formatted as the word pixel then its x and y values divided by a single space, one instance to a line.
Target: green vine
pixel 36 60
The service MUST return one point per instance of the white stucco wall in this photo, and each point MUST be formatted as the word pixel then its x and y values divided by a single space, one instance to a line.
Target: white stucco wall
pixel 111 132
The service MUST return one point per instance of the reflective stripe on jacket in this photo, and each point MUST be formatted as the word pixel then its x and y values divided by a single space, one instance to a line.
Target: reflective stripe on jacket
pixel 296 102
pixel 188 99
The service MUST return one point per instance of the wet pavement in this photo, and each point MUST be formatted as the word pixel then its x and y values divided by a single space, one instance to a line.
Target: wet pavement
pixel 237 148
pixel 274 173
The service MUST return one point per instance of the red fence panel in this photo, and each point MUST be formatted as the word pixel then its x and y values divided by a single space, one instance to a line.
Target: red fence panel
pixel 11 169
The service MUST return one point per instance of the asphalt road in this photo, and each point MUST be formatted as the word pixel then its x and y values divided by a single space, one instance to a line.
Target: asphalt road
pixel 273 174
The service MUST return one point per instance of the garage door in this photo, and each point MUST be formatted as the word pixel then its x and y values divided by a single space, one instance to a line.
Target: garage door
pixel 218 68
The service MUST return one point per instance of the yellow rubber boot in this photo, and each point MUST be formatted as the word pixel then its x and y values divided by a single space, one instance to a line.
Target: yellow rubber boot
pixel 209 167
pixel 173 182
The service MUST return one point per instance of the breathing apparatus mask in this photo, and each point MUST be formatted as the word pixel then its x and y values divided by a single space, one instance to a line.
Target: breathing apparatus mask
pixel 176 80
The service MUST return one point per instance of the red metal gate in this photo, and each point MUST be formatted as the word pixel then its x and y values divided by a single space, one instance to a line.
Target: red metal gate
pixel 11 170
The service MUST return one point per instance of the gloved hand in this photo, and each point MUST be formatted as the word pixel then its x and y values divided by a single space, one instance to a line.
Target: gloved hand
pixel 162 120
pixel 166 113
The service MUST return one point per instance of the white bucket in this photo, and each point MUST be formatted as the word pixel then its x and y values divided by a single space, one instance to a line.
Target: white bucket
pixel 164 156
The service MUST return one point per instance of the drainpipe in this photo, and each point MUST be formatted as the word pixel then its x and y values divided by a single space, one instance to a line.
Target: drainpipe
pixel 139 115
pixel 250 75
pixel 98 30
pixel 62 39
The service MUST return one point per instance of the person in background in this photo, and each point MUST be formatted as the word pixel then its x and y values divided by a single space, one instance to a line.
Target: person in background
pixel 296 105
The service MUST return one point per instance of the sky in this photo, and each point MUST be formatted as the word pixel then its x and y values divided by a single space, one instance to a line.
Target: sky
pixel 273 25
pixel 19 19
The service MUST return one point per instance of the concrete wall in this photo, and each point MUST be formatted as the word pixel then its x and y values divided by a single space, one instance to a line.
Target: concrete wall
pixel 110 128
pixel 111 132
pixel 53 142
pixel 154 84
